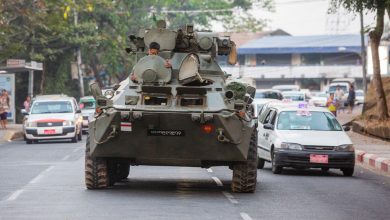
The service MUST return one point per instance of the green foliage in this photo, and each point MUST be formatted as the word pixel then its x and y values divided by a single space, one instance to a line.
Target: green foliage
pixel 238 88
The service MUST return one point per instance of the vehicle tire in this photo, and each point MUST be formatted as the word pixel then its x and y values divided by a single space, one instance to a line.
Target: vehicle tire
pixel 245 174
pixel 121 170
pixel 275 169
pixel 96 171
pixel 28 141
pixel 80 136
pixel 347 171
pixel 260 163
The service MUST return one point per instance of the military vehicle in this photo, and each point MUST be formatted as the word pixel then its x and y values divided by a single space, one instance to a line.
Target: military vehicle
pixel 178 116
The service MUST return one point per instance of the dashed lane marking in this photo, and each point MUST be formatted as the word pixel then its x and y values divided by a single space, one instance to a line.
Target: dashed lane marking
pixel 217 181
pixel 230 197
pixel 245 216
pixel 209 170
pixel 15 195
pixel 66 157
pixel 37 178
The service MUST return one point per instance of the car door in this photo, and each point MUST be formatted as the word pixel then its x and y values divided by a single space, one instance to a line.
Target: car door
pixel 263 134
pixel 271 135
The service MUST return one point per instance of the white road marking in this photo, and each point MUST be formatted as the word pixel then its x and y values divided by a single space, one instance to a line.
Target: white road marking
pixel 230 197
pixel 245 216
pixel 217 181
pixel 15 195
pixel 66 157
pixel 75 150
pixel 209 170
pixel 37 178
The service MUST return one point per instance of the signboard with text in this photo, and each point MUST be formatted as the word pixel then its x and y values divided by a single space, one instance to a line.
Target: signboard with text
pixel 7 82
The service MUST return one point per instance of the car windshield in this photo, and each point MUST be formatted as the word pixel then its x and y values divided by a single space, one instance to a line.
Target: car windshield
pixel 87 105
pixel 307 120
pixel 359 93
pixel 332 89
pixel 51 107
pixel 267 95
pixel 294 97
pixel 323 95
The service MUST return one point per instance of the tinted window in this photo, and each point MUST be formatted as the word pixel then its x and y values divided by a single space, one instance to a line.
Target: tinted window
pixel 268 95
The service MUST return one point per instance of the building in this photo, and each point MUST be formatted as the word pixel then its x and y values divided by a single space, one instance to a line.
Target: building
pixel 308 61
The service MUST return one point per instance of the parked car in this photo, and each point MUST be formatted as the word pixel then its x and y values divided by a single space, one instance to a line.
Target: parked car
pixel 284 88
pixel 87 105
pixel 53 117
pixel 319 99
pixel 359 97
pixel 268 94
pixel 295 96
pixel 291 136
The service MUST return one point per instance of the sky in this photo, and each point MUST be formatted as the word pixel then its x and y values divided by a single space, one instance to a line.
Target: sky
pixel 310 17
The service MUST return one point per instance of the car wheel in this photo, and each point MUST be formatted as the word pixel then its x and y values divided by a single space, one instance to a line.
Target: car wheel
pixel 348 171
pixel 275 169
pixel 28 141
pixel 260 163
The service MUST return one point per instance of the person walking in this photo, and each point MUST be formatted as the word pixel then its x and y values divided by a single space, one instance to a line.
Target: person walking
pixel 332 104
pixel 27 103
pixel 351 99
pixel 4 106
pixel 338 95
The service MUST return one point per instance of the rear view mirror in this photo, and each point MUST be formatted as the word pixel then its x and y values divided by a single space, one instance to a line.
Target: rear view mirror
pixel 78 111
pixel 346 128
pixel 24 112
pixel 268 126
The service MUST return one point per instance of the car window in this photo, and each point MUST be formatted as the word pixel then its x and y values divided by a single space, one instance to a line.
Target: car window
pixel 295 120
pixel 52 107
pixel 269 117
pixel 87 105
pixel 263 114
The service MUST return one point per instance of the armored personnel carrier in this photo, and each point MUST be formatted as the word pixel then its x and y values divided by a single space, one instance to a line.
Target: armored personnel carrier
pixel 181 115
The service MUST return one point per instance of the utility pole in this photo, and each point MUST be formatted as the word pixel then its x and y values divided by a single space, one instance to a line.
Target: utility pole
pixel 78 52
pixel 363 52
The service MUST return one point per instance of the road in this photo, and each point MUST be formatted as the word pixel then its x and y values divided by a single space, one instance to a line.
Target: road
pixel 46 181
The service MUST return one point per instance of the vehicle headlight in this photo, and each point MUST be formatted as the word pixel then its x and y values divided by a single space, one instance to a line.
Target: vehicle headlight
pixel 345 147
pixel 291 146
pixel 67 123
pixel 31 124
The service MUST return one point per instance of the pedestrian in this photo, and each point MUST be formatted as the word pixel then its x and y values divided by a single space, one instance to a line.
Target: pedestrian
pixel 4 105
pixel 338 95
pixel 351 99
pixel 27 104
pixel 332 104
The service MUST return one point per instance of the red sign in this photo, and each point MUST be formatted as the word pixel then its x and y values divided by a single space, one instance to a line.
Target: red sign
pixel 16 63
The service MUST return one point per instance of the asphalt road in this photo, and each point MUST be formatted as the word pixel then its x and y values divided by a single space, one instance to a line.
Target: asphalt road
pixel 46 181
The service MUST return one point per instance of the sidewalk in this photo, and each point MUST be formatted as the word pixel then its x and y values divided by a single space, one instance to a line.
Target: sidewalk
pixel 13 131
pixel 370 151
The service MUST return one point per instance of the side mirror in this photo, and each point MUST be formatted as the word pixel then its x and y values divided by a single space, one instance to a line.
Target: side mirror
pixel 251 91
pixel 78 111
pixel 95 90
pixel 346 128
pixel 24 112
pixel 268 127
pixel 109 93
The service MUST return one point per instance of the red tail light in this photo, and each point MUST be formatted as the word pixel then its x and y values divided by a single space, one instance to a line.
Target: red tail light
pixel 207 128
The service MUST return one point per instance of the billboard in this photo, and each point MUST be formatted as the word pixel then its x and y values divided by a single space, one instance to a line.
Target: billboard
pixel 7 82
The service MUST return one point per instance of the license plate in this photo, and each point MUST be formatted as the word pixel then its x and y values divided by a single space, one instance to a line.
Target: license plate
pixel 316 158
pixel 155 132
pixel 51 131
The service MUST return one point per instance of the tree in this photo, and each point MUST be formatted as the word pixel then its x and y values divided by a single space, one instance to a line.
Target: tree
pixel 375 34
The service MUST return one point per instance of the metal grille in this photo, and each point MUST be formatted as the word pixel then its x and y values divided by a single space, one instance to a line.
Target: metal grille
pixel 49 124
pixel 319 148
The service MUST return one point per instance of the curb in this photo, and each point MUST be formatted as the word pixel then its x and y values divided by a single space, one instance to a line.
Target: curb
pixel 373 161
pixel 12 135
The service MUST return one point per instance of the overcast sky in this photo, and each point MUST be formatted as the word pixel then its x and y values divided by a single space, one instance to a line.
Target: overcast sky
pixel 310 17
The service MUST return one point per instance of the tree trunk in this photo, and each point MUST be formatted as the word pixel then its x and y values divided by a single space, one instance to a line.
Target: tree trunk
pixel 375 38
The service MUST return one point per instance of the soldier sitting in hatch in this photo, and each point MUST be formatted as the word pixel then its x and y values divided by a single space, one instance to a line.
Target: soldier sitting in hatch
pixel 154 49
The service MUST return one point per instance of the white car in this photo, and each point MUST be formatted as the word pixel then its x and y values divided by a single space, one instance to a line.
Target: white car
pixel 359 97
pixel 295 96
pixel 319 99
pixel 87 105
pixel 53 117
pixel 311 137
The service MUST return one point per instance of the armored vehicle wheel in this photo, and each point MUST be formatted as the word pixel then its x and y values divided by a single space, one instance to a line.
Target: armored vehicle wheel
pixel 245 174
pixel 118 170
pixel 123 170
pixel 96 171
pixel 347 171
